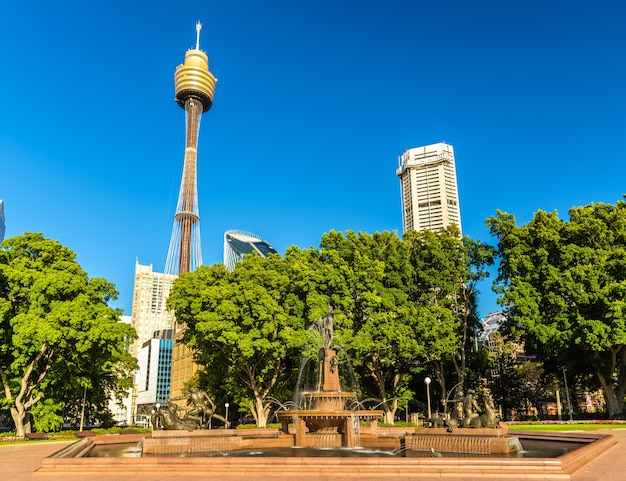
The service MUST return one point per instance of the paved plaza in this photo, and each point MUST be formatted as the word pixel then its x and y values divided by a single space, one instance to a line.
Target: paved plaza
pixel 21 461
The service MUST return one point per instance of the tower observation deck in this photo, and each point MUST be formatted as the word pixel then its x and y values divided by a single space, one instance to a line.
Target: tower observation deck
pixel 194 85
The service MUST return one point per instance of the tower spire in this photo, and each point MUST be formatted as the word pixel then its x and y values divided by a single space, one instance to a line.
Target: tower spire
pixel 198 28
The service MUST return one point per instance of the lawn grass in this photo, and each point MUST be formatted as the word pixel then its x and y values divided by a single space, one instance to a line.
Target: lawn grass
pixel 564 427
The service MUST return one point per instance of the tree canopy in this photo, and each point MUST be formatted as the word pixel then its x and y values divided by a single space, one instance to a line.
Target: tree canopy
pixel 251 326
pixel 446 273
pixel 383 333
pixel 565 285
pixel 56 329
pixel 246 326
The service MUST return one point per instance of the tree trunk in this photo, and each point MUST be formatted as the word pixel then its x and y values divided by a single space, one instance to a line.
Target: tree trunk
pixel 19 416
pixel 260 412
pixel 389 416
pixel 389 412
pixel 614 406
pixel 441 380
pixel 614 400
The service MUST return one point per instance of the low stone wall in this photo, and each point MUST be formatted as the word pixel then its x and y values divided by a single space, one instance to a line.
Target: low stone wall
pixel 453 443
pixel 367 440
pixel 222 440
pixel 501 431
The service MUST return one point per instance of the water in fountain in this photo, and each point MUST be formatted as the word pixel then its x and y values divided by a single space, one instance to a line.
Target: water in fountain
pixel 310 372
pixel 328 413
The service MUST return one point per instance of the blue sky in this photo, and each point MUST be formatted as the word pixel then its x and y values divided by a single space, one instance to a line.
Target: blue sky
pixel 315 101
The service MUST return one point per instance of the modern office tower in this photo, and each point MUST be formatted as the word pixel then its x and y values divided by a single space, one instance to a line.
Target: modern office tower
pixel 2 227
pixel 149 313
pixel 155 368
pixel 194 86
pixel 430 197
pixel 238 243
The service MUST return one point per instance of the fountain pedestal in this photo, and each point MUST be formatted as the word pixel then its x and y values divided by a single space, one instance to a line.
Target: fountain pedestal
pixel 328 423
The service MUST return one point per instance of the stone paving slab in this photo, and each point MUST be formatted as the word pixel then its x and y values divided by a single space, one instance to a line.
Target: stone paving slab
pixel 19 462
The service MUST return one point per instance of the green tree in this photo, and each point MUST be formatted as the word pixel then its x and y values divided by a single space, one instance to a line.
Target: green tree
pixel 246 327
pixel 446 272
pixel 503 356
pixel 381 330
pixel 56 329
pixel 566 285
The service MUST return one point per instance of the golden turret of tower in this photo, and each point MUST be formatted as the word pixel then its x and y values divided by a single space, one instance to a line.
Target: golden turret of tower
pixel 193 78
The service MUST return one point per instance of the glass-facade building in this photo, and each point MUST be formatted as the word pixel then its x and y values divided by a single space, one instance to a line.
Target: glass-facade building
pixel 153 378
pixel 238 243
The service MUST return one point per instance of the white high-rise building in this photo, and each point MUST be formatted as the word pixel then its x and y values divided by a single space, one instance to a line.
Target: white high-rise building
pixel 149 313
pixel 430 197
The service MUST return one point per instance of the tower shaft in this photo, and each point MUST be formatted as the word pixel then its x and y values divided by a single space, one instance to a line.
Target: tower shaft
pixel 187 209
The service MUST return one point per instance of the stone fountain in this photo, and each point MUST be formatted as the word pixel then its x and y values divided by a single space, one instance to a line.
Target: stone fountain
pixel 328 423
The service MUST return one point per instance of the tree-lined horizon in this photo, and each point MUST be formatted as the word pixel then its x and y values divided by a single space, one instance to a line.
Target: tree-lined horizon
pixel 404 308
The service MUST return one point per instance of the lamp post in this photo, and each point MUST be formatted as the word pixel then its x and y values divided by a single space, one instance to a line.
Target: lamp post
pixel 226 417
pixel 82 412
pixel 427 382
pixel 569 404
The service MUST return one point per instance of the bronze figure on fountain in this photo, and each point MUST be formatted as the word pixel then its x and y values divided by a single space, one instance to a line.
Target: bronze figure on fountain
pixel 198 417
pixel 466 411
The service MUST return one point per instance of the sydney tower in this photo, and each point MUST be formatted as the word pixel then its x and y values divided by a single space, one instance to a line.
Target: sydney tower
pixel 194 93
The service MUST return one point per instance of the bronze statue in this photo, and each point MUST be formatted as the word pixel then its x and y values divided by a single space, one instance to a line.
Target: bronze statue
pixel 489 419
pixel 471 409
pixel 199 416
pixel 467 412
pixel 167 418
pixel 203 406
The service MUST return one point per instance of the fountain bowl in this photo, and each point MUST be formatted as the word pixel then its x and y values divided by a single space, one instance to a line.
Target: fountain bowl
pixel 585 447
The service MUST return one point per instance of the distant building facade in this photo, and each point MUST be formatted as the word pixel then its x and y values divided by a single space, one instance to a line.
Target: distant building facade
pixel 122 409
pixel 149 314
pixel 490 325
pixel 428 186
pixel 238 243
pixel 2 225
pixel 155 370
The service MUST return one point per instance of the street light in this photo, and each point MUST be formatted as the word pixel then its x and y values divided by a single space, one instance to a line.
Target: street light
pixel 427 382
pixel 569 404
pixel 226 406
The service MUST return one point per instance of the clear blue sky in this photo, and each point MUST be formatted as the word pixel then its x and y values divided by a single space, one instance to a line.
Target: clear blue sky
pixel 314 103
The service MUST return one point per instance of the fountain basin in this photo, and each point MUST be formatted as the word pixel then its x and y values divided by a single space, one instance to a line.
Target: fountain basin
pixel 585 447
